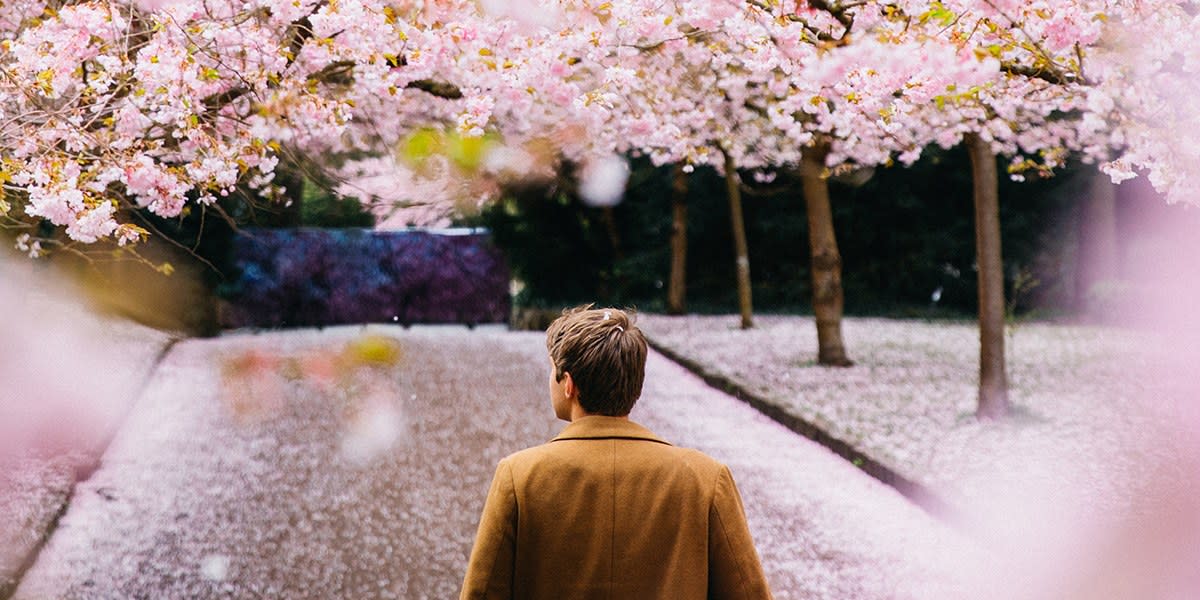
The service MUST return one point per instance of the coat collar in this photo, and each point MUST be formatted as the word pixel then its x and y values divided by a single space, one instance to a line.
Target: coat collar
pixel 601 427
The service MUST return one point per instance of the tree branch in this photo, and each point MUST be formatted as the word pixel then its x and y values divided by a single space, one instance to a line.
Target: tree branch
pixel 1048 75
pixel 815 35
pixel 838 11
pixel 219 101
pixel 440 89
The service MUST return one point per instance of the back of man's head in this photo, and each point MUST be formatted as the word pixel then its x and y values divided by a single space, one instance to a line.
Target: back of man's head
pixel 604 353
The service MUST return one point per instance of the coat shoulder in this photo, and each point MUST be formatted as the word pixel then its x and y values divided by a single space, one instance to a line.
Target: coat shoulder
pixel 703 464
pixel 528 456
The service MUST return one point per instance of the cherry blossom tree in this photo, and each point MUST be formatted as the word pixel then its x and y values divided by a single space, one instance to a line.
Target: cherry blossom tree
pixel 1000 102
pixel 765 86
pixel 1018 78
pixel 111 107
pixel 1062 87
pixel 108 107
pixel 137 96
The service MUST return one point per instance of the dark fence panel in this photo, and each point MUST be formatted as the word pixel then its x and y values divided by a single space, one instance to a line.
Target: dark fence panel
pixel 307 277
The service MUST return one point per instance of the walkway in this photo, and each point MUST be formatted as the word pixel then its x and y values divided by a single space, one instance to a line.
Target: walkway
pixel 293 479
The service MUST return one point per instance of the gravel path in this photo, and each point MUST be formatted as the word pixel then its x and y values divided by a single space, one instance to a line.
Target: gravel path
pixel 303 477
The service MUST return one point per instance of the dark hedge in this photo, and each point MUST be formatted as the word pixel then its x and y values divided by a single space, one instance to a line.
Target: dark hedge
pixel 307 277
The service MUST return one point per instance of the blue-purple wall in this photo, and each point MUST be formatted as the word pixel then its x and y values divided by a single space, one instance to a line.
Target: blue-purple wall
pixel 307 277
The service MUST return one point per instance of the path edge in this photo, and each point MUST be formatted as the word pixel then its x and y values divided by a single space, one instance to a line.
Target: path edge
pixel 82 473
pixel 916 492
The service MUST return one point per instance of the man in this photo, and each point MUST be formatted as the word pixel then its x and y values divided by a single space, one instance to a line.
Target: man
pixel 607 509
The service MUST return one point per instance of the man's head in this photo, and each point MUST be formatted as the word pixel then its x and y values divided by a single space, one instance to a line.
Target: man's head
pixel 604 356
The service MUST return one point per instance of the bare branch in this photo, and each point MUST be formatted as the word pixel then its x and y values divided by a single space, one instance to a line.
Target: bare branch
pixel 440 89
pixel 838 11
pixel 298 33
pixel 812 33
pixel 1048 75
pixel 218 101
pixel 337 72
pixel 656 45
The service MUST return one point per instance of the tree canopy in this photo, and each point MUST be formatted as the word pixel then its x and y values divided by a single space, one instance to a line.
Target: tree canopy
pixel 109 106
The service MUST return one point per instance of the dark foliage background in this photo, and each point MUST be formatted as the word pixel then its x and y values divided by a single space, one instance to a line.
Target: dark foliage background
pixel 204 236
pixel 903 234
pixel 306 277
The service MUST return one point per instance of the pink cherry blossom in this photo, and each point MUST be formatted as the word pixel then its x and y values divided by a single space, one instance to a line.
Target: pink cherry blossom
pixel 189 99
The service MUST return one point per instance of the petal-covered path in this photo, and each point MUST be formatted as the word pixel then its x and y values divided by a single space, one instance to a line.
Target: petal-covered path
pixel 249 469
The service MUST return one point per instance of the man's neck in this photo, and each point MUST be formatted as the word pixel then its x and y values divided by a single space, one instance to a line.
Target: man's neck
pixel 577 413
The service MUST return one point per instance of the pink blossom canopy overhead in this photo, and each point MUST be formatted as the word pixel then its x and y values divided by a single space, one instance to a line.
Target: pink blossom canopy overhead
pixel 107 105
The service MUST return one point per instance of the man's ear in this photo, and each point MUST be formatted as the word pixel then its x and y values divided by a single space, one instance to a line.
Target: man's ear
pixel 569 388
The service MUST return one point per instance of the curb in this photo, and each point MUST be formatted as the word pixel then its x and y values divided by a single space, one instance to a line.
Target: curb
pixel 914 491
pixel 82 472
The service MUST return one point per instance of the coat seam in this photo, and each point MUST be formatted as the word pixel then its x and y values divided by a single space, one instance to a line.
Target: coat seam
pixel 742 577
pixel 612 560
pixel 512 488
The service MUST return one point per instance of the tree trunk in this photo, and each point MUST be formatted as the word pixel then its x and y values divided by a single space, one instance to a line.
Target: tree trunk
pixel 828 299
pixel 677 285
pixel 733 186
pixel 620 282
pixel 1097 257
pixel 609 218
pixel 993 383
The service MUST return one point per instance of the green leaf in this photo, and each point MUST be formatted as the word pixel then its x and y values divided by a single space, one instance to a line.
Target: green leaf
pixel 468 151
pixel 421 144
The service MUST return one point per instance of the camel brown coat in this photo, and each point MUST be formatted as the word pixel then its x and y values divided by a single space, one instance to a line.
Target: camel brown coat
pixel 608 510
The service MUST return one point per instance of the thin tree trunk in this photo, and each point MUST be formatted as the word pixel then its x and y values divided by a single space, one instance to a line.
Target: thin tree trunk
pixel 1097 256
pixel 993 382
pixel 733 186
pixel 608 216
pixel 828 299
pixel 677 285
pixel 619 280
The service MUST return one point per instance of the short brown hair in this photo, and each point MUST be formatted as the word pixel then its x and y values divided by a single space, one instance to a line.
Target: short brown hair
pixel 605 355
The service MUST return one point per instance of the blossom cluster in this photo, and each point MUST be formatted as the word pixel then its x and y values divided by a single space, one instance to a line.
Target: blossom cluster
pixel 879 81
pixel 107 106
